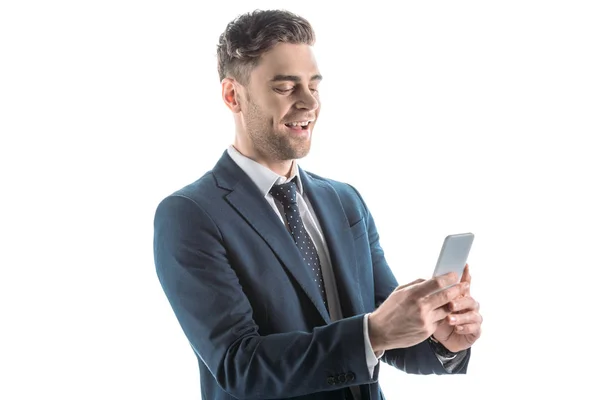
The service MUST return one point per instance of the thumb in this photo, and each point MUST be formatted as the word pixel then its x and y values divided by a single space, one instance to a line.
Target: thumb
pixel 416 281
pixel 466 276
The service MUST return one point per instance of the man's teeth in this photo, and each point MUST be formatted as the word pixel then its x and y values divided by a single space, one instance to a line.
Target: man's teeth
pixel 303 123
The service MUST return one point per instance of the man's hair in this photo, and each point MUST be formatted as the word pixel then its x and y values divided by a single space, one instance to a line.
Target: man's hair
pixel 250 35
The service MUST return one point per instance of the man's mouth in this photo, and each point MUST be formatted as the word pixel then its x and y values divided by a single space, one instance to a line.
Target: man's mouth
pixel 299 125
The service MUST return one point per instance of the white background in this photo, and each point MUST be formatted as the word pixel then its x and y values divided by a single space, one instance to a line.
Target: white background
pixel 482 116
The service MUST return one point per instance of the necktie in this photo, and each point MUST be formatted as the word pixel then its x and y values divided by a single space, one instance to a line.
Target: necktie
pixel 286 194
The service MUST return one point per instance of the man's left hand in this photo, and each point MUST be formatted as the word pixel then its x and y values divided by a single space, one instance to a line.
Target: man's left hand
pixel 462 327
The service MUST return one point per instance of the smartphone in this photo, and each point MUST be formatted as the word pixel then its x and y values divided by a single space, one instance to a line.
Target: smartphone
pixel 454 253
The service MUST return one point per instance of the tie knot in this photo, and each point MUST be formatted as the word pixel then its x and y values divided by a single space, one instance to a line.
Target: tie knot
pixel 285 193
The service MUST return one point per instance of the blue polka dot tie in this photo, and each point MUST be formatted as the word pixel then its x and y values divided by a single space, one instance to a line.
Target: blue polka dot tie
pixel 286 194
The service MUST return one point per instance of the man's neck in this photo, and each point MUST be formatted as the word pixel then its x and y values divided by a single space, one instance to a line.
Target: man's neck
pixel 280 167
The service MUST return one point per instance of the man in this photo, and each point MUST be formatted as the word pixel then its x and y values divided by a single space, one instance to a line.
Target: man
pixel 276 274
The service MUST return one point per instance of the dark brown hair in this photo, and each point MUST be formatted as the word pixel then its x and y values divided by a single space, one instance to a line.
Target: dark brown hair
pixel 250 35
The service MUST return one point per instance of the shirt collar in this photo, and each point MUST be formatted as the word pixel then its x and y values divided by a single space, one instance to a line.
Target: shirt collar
pixel 262 176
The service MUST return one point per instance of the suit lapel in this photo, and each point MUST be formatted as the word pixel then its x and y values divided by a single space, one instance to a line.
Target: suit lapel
pixel 247 200
pixel 336 229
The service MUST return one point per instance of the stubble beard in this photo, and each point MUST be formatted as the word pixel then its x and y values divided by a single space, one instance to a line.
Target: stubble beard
pixel 270 143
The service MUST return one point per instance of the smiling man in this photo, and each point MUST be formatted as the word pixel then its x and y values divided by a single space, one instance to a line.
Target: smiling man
pixel 276 274
pixel 275 105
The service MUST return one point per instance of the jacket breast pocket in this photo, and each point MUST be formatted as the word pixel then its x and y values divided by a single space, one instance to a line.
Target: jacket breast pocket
pixel 363 260
pixel 358 229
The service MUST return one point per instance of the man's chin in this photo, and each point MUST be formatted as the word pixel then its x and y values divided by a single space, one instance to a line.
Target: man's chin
pixel 302 151
pixel 296 152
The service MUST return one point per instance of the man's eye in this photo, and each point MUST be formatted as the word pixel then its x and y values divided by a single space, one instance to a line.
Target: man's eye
pixel 285 91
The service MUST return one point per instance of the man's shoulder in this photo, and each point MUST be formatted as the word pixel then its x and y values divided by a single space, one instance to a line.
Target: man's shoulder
pixel 202 191
pixel 199 188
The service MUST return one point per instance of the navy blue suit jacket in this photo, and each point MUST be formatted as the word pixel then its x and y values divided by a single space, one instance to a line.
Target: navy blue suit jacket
pixel 246 303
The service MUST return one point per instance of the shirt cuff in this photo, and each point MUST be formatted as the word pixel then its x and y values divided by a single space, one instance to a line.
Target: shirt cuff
pixel 449 361
pixel 450 364
pixel 371 357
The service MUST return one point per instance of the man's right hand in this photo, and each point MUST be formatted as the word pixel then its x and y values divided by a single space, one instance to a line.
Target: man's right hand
pixel 412 312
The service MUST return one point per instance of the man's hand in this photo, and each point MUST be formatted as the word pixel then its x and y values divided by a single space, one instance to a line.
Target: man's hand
pixel 462 327
pixel 413 312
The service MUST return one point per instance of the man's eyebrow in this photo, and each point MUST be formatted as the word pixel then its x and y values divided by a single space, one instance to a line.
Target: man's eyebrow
pixel 294 78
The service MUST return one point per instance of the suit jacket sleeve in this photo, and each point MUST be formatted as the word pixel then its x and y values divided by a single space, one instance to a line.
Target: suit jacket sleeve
pixel 215 315
pixel 418 359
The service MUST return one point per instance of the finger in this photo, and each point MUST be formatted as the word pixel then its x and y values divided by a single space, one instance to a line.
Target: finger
pixel 444 296
pixel 469 329
pixel 409 284
pixel 472 317
pixel 465 303
pixel 436 284
pixel 466 276
pixel 440 314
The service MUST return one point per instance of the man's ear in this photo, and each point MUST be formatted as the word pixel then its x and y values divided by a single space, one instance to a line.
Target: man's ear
pixel 231 95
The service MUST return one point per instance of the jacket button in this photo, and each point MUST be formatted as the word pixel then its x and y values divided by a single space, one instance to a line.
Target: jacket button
pixel 341 378
pixel 331 380
pixel 350 377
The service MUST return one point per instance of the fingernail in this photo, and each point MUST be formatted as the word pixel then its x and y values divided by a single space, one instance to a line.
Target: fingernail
pixel 453 319
pixel 459 328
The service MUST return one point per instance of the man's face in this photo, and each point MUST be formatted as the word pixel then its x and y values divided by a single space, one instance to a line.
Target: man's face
pixel 280 103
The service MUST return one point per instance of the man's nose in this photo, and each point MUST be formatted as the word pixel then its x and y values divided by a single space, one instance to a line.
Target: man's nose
pixel 307 101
